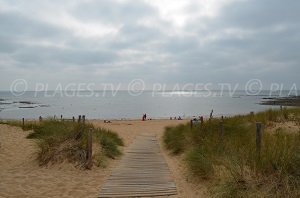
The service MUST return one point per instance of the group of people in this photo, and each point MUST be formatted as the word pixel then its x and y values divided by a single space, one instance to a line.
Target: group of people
pixel 176 118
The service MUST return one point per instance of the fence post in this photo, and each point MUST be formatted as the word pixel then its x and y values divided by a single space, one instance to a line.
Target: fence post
pixel 73 119
pixel 222 131
pixel 79 118
pixel 23 123
pixel 201 120
pixel 83 119
pixel 258 139
pixel 89 163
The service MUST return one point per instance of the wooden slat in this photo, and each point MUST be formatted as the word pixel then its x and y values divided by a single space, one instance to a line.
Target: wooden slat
pixel 142 172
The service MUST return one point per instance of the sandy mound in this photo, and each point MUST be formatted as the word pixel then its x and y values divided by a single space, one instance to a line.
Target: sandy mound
pixel 22 177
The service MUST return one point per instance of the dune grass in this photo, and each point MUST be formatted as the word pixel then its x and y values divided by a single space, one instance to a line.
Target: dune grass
pixel 60 141
pixel 232 165
pixel 28 125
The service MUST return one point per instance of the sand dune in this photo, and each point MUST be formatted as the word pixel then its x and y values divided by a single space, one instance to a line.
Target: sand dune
pixel 22 177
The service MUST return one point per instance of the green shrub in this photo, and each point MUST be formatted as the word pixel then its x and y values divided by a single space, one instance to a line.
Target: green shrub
pixel 199 163
pixel 174 139
pixel 109 142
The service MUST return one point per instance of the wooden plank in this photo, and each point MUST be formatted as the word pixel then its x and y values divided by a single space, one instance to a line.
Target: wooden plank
pixel 142 172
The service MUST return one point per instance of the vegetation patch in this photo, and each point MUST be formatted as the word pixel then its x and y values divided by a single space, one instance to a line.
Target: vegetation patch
pixel 60 141
pixel 231 162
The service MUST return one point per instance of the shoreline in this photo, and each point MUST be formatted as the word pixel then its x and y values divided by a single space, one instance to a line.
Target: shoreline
pixel 206 116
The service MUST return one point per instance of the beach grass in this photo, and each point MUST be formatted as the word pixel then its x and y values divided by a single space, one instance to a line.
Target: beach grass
pixel 60 141
pixel 231 164
pixel 28 125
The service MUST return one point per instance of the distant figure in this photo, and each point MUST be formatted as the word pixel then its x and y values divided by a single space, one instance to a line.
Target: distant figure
pixel 144 117
pixel 201 119
pixel 179 118
pixel 40 118
pixel 171 118
pixel 211 114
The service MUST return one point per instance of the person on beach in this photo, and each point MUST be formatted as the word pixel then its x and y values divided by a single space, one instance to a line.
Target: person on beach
pixel 211 114
pixel 144 117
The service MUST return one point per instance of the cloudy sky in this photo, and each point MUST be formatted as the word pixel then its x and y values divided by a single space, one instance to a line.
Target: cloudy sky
pixel 159 41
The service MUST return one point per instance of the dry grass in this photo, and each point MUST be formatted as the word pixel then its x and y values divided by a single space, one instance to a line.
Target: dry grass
pixel 60 141
pixel 232 165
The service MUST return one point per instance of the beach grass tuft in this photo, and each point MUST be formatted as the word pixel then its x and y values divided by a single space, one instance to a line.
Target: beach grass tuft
pixel 60 141
pixel 232 164
pixel 28 125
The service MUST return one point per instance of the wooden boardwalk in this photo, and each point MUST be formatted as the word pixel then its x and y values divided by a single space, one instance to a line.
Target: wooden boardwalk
pixel 142 172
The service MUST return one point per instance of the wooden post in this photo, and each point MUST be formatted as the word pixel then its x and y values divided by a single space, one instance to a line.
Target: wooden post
pixel 83 119
pixel 40 119
pixel 202 120
pixel 73 119
pixel 89 152
pixel 258 138
pixel 61 117
pixel 191 124
pixel 222 131
pixel 79 118
pixel 23 123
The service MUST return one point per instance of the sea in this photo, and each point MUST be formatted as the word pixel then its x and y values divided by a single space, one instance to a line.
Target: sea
pixel 128 105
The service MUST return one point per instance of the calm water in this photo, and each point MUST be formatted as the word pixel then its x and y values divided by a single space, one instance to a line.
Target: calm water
pixel 122 105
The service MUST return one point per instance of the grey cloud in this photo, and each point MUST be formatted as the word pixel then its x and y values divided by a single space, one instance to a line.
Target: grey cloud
pixel 52 56
pixel 259 14
pixel 19 26
pixel 265 44
pixel 112 11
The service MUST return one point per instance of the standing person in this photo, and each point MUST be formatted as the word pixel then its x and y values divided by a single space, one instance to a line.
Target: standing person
pixel 145 116
pixel 211 114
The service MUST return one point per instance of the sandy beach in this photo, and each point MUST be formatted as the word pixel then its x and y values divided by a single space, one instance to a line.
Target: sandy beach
pixel 21 176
